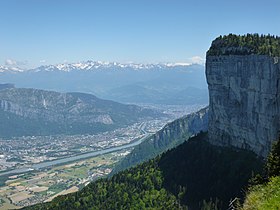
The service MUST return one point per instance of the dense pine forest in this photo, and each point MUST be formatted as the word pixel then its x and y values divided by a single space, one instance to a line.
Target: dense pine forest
pixel 245 45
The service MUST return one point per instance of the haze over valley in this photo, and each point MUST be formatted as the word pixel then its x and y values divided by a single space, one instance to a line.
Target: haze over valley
pixel 115 105
pixel 51 135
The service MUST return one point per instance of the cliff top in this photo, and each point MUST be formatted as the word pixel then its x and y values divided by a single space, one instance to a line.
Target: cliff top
pixel 245 45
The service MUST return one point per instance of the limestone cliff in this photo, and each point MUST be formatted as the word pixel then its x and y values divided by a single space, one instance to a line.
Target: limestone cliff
pixel 244 100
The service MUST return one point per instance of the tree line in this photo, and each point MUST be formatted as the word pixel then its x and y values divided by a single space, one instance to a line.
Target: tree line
pixel 245 45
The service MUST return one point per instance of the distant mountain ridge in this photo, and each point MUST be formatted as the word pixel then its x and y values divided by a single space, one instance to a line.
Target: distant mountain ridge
pixel 154 83
pixel 5 86
pixel 94 65
pixel 39 112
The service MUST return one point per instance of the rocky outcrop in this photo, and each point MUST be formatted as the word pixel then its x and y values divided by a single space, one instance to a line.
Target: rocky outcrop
pixel 175 131
pixel 244 101
pixel 171 135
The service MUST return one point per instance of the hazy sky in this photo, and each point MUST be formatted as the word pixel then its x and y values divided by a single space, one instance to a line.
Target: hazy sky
pixel 36 32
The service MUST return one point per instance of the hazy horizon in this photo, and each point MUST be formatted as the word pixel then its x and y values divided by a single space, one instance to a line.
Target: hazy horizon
pixel 50 32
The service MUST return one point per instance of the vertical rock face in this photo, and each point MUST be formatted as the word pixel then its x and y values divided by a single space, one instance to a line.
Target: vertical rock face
pixel 244 101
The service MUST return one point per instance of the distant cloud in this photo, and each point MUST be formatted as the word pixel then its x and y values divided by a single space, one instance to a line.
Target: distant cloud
pixel 10 62
pixel 15 65
pixel 197 60
pixel 42 61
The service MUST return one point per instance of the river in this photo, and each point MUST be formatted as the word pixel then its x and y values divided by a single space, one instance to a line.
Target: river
pixel 38 166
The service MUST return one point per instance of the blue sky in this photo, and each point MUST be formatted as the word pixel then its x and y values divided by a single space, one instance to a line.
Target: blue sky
pixel 36 32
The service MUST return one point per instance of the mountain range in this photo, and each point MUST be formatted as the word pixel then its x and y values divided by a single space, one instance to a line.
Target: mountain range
pixel 126 83
pixel 93 65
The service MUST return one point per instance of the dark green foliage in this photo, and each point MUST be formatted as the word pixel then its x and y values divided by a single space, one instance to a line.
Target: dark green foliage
pixel 207 172
pixel 245 45
pixel 273 160
pixel 3 179
pixel 195 174
pixel 148 149
pixel 210 205
pixel 271 167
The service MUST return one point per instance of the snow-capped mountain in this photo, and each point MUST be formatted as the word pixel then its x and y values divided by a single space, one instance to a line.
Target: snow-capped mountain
pixel 93 65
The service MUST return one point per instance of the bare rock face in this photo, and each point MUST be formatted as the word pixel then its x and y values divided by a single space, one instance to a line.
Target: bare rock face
pixel 186 126
pixel 244 104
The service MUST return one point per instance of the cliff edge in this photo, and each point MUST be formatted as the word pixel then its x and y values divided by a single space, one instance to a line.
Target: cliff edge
pixel 244 92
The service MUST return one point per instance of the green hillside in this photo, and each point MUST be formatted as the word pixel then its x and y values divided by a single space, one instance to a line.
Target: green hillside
pixel 264 197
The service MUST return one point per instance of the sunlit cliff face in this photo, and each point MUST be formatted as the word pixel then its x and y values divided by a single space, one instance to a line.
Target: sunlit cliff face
pixel 244 101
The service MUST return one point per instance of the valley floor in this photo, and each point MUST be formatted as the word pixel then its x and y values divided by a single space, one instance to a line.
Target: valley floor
pixel 27 189
pixel 44 184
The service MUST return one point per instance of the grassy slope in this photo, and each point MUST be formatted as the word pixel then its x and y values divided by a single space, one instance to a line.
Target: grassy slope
pixel 265 193
pixel 264 197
